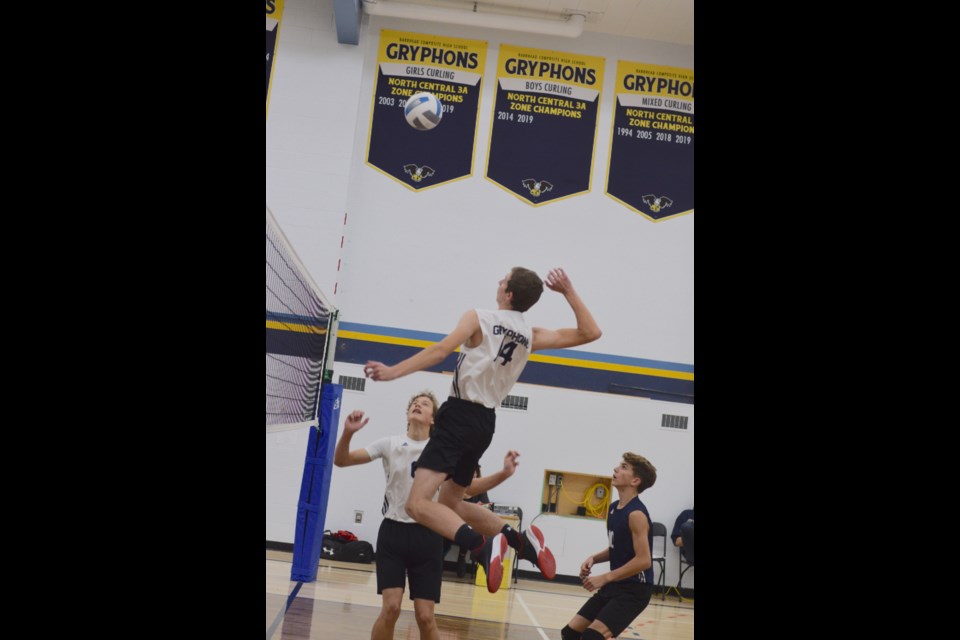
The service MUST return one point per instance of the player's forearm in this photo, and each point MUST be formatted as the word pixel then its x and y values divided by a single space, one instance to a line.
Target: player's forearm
pixel 341 454
pixel 587 327
pixel 484 484
pixel 429 357
pixel 632 568
pixel 601 556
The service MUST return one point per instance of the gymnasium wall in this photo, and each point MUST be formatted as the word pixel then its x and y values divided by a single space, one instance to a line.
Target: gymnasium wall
pixel 415 261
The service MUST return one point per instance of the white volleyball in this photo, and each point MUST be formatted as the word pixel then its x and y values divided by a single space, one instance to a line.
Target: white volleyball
pixel 423 111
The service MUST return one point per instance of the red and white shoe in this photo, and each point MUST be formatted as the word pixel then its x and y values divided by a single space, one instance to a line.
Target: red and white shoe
pixel 493 552
pixel 535 550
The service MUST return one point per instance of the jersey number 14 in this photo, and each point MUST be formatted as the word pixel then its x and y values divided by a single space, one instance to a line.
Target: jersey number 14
pixel 506 352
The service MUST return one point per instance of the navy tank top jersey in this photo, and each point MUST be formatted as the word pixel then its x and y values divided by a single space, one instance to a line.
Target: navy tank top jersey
pixel 621 540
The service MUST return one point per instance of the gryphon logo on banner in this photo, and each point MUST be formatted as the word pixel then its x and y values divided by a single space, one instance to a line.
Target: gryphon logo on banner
pixel 536 188
pixel 657 203
pixel 418 173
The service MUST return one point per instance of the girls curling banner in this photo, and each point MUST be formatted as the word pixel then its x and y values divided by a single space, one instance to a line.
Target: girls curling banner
pixel 544 123
pixel 449 68
pixel 651 153
pixel 274 12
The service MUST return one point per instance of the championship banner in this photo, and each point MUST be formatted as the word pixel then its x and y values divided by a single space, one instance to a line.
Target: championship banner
pixel 544 123
pixel 651 152
pixel 274 11
pixel 449 68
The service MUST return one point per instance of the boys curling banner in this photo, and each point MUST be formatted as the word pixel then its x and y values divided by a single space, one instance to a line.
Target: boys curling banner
pixel 452 70
pixel 651 150
pixel 544 123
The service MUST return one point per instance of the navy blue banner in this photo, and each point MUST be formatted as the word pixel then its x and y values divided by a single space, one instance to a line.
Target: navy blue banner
pixel 449 68
pixel 274 13
pixel 651 151
pixel 544 123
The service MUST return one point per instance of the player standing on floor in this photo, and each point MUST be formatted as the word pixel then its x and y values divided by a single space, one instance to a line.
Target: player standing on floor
pixel 405 548
pixel 624 591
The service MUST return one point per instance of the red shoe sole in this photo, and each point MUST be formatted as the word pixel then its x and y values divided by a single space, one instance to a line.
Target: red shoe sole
pixel 545 560
pixel 547 564
pixel 495 570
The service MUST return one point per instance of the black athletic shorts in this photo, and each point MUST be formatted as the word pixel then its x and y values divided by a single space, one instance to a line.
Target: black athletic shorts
pixel 616 604
pixel 409 549
pixel 462 432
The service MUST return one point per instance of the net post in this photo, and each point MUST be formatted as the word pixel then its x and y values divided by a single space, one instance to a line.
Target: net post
pixel 315 487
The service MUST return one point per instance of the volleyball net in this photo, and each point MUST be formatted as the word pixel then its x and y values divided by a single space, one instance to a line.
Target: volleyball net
pixel 301 332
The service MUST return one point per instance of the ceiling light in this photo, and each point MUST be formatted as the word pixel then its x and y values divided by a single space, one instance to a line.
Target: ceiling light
pixel 570 27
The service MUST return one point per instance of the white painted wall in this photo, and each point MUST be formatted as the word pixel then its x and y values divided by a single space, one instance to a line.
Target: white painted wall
pixel 563 429
pixel 418 260
pixel 309 146
pixel 310 130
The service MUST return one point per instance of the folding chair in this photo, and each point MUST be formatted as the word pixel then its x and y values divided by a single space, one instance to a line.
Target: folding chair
pixel 658 529
pixel 683 570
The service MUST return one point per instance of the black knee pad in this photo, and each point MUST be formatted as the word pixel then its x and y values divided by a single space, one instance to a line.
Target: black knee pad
pixel 591 634
pixel 569 634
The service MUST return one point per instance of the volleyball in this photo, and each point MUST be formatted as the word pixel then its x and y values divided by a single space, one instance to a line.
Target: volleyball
pixel 423 111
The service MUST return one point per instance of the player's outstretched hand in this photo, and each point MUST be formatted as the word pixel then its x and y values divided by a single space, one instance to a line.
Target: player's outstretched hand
pixel 557 280
pixel 510 462
pixel 378 371
pixel 355 422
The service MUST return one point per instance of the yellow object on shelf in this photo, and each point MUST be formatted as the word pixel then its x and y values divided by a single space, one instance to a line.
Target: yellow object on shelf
pixel 578 495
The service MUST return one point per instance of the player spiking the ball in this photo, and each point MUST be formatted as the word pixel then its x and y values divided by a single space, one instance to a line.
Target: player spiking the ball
pixel 494 348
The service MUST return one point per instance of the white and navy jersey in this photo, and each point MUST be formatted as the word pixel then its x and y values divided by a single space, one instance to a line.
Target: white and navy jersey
pixel 486 373
pixel 399 454
pixel 621 538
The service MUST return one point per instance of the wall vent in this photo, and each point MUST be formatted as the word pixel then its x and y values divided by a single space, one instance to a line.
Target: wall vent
pixel 515 402
pixel 668 421
pixel 353 384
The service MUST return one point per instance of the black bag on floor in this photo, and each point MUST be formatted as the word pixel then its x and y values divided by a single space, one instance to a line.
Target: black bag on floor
pixel 356 551
pixel 331 548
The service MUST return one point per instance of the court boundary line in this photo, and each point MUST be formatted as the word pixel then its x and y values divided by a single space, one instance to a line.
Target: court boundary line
pixel 272 629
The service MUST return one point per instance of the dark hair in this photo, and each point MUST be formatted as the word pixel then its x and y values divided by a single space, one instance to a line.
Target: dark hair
pixel 643 469
pixel 526 287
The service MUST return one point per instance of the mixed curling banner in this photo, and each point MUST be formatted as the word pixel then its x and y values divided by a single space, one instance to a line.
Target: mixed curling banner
pixel 651 151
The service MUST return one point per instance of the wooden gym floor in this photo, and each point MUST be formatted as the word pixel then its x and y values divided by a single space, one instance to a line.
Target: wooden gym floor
pixel 343 604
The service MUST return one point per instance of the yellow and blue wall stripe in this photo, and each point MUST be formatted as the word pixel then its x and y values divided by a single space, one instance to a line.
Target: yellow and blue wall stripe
pixel 585 370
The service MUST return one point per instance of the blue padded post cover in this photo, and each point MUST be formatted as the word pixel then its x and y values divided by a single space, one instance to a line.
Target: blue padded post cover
pixel 315 488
